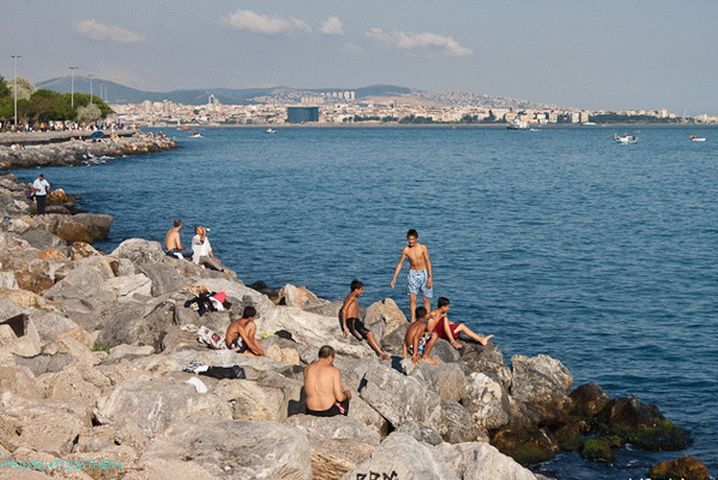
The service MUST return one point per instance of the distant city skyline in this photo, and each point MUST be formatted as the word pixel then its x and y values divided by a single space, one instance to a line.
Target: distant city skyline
pixel 607 55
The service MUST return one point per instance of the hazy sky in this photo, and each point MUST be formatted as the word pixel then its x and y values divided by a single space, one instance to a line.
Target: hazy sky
pixel 597 54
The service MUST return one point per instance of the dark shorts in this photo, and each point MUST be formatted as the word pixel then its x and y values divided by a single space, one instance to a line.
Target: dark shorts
pixel 237 345
pixel 339 408
pixel 357 328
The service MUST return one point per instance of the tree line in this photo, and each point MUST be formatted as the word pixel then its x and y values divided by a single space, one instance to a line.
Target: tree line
pixel 35 106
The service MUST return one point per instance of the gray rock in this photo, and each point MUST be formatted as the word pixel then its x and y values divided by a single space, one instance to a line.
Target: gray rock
pixel 335 428
pixel 98 224
pixel 137 323
pixel 387 314
pixel 41 239
pixel 42 363
pixel 127 287
pixel 421 433
pixel 7 280
pixel 139 251
pixel 446 379
pixel 479 461
pixel 164 277
pixel 400 456
pixel 237 449
pixel 488 360
pixel 487 401
pixel 156 404
pixel 399 398
pixel 457 425
pixel 89 273
pixel 541 383
pixel 445 352
pixel 127 352
pixel 250 401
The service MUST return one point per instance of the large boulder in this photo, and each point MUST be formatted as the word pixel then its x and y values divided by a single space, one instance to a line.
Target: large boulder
pixel 156 404
pixel 541 383
pixel 487 401
pixel 399 398
pixel 686 468
pixel 479 461
pixel 237 449
pixel 457 425
pixel 126 287
pixel 139 251
pixel 400 456
pixel 387 314
pixel 251 401
pixel 338 443
pixel 526 445
pixel 299 297
pixel 446 379
pixel 488 360
pixel 98 225
pixel 641 425
pixel 137 323
pixel 87 276
pixel 588 400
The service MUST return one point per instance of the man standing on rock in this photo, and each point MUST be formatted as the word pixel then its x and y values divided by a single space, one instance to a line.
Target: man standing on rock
pixel 41 188
pixel 350 319
pixel 419 277
pixel 173 241
pixel 326 395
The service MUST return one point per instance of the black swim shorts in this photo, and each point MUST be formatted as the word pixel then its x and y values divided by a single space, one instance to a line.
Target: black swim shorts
pixel 357 328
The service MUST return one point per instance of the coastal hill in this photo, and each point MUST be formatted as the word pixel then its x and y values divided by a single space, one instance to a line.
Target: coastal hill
pixel 116 93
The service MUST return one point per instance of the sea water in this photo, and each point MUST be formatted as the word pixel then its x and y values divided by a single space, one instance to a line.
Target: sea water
pixel 558 241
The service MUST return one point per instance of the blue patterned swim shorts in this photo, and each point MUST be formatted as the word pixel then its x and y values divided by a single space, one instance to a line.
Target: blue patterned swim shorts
pixel 416 283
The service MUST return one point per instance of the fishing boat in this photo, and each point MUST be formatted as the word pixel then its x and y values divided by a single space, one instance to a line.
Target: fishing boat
pixel 270 130
pixel 696 138
pixel 625 139
pixel 195 134
pixel 518 125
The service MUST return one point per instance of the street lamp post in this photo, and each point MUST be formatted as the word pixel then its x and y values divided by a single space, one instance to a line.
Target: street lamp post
pixel 91 77
pixel 72 87
pixel 16 58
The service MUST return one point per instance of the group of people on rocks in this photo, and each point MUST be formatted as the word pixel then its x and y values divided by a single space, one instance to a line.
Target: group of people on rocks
pixel 201 252
pixel 325 393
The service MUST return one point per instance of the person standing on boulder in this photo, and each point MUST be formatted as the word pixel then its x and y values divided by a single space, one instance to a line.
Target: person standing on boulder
pixel 326 395
pixel 418 280
pixel 173 241
pixel 41 187
pixel 350 319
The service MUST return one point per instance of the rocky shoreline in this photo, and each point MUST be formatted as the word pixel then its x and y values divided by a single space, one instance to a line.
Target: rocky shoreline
pixel 93 345
pixel 82 152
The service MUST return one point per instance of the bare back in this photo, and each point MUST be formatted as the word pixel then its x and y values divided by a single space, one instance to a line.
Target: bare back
pixel 319 385
pixel 417 256
pixel 414 331
pixel 350 307
pixel 172 240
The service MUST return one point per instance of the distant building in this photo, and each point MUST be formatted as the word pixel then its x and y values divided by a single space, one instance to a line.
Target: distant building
pixel 302 114
pixel 212 100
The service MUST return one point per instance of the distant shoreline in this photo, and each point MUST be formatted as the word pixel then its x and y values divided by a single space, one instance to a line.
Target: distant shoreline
pixel 433 125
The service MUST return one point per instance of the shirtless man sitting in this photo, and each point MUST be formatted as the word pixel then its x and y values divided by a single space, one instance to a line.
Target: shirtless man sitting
pixel 173 241
pixel 419 341
pixel 326 395
pixel 350 319
pixel 418 280
pixel 439 323
pixel 240 335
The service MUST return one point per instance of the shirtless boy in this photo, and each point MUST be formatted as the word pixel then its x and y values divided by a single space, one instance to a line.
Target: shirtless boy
pixel 419 277
pixel 326 396
pixel 439 324
pixel 418 340
pixel 350 319
pixel 240 335
pixel 173 241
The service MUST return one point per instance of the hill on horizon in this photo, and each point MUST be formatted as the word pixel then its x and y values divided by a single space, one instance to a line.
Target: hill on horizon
pixel 117 93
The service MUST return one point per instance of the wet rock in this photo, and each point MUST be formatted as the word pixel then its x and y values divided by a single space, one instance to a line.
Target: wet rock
pixel 569 434
pixel 237 449
pixel 686 468
pixel 526 445
pixel 588 400
pixel 600 448
pixel 641 425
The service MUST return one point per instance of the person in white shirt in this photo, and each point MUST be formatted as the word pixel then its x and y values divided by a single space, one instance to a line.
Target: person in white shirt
pixel 202 253
pixel 41 188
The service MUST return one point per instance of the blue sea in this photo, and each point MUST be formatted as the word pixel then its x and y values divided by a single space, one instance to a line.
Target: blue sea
pixel 558 241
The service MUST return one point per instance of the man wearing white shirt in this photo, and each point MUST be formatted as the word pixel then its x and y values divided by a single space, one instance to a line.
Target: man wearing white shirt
pixel 41 188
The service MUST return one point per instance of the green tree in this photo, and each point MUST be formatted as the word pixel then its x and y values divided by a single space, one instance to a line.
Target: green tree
pixel 89 113
pixel 4 90
pixel 83 100
pixel 25 88
pixel 47 105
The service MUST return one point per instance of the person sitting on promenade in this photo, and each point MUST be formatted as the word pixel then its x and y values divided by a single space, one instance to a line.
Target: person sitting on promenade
pixel 41 188
pixel 350 319
pixel 173 241
pixel 419 340
pixel 326 396
pixel 240 335
pixel 202 253
pixel 418 280
pixel 439 323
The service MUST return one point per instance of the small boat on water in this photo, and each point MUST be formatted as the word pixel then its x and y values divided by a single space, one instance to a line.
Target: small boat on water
pixel 183 128
pixel 195 134
pixel 589 124
pixel 625 139
pixel 696 138
pixel 518 125
pixel 270 130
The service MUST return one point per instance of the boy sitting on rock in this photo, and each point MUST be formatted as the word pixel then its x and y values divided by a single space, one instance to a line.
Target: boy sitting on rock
pixel 240 335
pixel 419 341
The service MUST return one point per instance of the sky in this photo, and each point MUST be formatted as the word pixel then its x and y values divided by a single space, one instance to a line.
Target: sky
pixel 605 54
